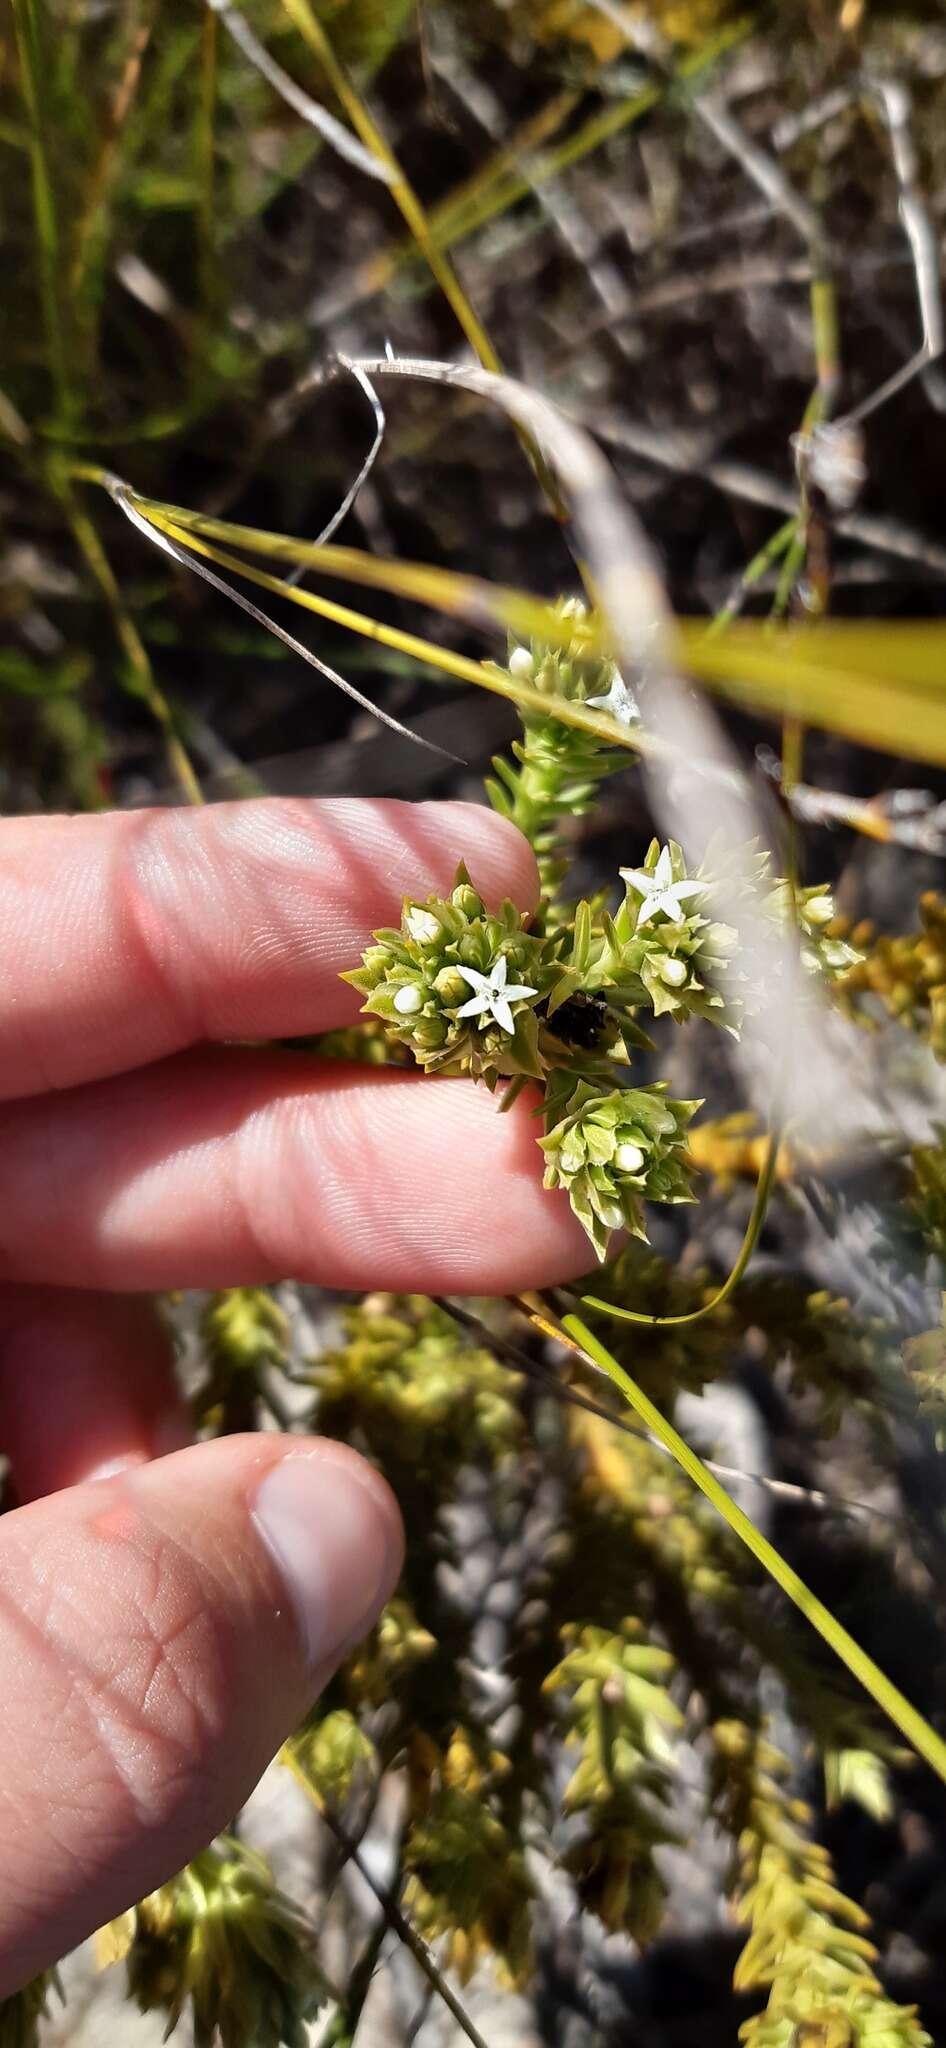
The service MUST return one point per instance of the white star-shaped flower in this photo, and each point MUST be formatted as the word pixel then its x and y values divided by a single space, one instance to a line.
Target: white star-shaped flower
pixel 659 890
pixel 619 701
pixel 492 997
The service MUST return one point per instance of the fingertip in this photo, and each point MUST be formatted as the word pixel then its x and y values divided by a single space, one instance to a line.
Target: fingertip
pixel 168 1628
pixel 498 857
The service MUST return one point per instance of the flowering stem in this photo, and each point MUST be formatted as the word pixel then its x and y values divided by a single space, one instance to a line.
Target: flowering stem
pixel 753 1227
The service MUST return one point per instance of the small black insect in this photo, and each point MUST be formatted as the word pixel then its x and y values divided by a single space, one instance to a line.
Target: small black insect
pixel 581 1021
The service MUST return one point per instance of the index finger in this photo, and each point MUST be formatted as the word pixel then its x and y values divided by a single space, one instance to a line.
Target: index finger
pixel 129 936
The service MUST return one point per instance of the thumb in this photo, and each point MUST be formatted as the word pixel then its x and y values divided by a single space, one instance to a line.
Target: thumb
pixel 161 1633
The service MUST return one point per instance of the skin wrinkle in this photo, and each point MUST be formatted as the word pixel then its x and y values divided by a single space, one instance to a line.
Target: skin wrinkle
pixel 154 1697
pixel 59 1700
pixel 255 908
pixel 140 855
pixel 348 1176
pixel 63 913
pixel 202 916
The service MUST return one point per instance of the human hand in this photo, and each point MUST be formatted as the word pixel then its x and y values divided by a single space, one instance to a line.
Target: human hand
pixel 164 1627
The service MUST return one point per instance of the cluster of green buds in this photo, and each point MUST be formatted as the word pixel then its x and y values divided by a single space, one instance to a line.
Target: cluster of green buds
pixel 334 1755
pixel 662 949
pixel 807 1945
pixel 559 765
pixel 822 949
pixel 463 990
pixel 468 1884
pixel 903 973
pixel 222 1940
pixel 569 669
pixel 460 985
pixel 420 1396
pixel 622 1719
pixel 613 1151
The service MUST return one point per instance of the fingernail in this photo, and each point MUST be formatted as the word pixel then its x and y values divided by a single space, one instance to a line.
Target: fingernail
pixel 335 1544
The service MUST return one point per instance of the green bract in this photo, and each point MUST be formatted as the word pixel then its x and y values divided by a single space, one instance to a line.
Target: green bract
pixel 614 1151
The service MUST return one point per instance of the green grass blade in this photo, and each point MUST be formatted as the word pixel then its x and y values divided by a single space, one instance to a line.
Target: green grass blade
pixel 882 1690
pixel 34 73
pixel 362 120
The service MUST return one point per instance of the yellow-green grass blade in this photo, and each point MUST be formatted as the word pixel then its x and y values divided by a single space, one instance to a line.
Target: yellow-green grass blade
pixel 883 685
pixel 882 1690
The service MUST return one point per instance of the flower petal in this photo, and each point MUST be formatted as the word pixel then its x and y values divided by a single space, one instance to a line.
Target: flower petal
pixel 478 1006
pixel 481 982
pixel 503 1014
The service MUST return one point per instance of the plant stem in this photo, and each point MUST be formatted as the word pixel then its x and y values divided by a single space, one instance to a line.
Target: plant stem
pixel 142 680
pixel 888 1697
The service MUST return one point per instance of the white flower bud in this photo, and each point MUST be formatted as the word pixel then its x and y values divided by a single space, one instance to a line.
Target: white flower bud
pixel 629 1158
pixel 674 972
pixel 820 910
pixel 423 925
pixel 409 1000
pixel 520 663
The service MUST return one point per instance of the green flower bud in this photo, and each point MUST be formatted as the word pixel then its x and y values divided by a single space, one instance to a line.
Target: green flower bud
pixel 430 1034
pixel 811 911
pixel 465 899
pixel 451 987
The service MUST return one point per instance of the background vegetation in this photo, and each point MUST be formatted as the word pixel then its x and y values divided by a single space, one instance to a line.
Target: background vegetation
pixel 596 1758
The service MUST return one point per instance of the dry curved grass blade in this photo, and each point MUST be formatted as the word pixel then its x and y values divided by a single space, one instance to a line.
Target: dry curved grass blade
pixel 332 131
pixel 124 498
pixel 377 146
